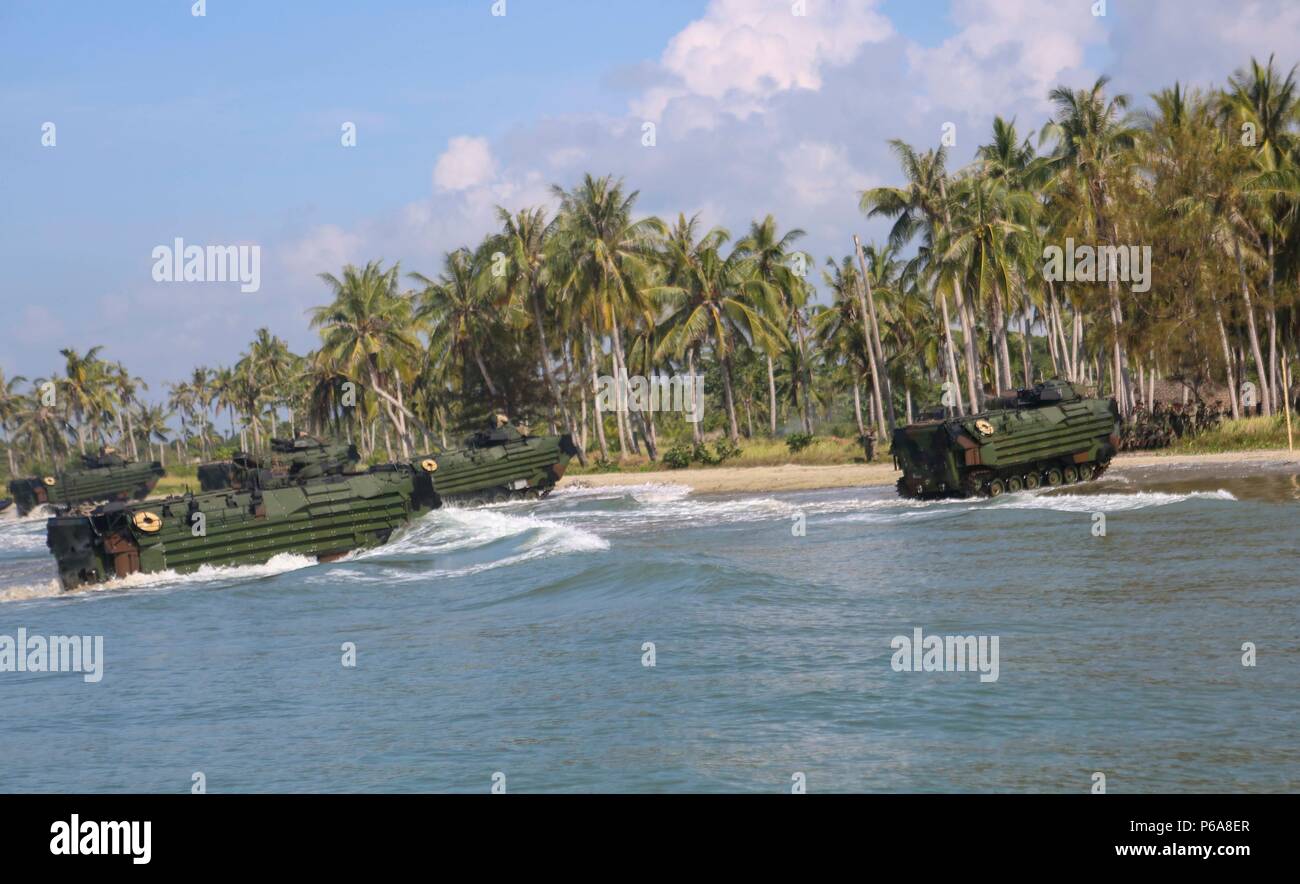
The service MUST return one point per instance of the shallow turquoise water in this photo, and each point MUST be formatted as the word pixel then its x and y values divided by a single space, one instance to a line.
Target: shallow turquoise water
pixel 509 639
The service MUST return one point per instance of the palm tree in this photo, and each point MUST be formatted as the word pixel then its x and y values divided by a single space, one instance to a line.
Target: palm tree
pixel 840 330
pixel 224 393
pixel 606 266
pixel 922 206
pixel 86 391
pixel 152 423
pixel 1015 163
pixel 1093 142
pixel 721 301
pixel 459 310
pixel 127 387
pixel 271 365
pixel 771 255
pixel 1268 103
pixel 368 334
pixel 11 406
pixel 987 247
pixel 41 428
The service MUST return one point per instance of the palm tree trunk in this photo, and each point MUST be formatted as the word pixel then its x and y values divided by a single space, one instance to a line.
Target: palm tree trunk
pixel 638 416
pixel 1026 361
pixel 733 427
pixel 771 396
pixel 582 438
pixel 482 370
pixel 857 407
pixel 130 433
pixel 543 356
pixel 1227 359
pixel 626 440
pixel 1001 357
pixel 805 370
pixel 1250 327
pixel 951 350
pixel 1052 351
pixel 874 334
pixel 973 387
pixel 863 288
pixel 404 433
pixel 696 437
pixel 595 398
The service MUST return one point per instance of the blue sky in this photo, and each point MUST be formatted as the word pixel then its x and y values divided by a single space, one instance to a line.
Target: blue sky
pixel 225 129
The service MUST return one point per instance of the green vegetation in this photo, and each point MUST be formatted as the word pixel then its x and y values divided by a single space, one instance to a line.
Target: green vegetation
pixel 957 299
pixel 797 442
pixel 1246 434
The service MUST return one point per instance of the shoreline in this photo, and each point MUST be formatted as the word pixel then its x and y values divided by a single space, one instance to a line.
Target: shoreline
pixel 794 477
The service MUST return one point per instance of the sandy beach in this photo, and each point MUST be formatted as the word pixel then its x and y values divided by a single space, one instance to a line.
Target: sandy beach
pixel 720 480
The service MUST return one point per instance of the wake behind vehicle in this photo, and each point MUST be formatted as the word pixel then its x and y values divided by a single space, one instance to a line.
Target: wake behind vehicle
pixel 317 505
pixel 1047 435
pixel 102 477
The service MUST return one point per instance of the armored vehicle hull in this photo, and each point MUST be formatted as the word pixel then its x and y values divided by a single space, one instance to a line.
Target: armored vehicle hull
pixel 322 516
pixel 492 465
pixel 121 480
pixel 500 464
pixel 325 519
pixel 1044 436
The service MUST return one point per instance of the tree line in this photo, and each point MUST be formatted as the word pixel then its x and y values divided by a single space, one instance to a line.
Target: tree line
pixel 952 307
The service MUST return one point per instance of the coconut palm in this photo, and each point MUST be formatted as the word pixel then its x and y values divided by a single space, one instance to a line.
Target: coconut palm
pixel 11 406
pixel 773 256
pixel 721 301
pixel 458 308
pixel 524 241
pixel 1094 140
pixel 368 334
pixel 922 206
pixel 607 264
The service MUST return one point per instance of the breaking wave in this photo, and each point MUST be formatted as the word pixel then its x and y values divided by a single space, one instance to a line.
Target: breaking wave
pixel 458 542
pixel 207 574
pixel 1104 502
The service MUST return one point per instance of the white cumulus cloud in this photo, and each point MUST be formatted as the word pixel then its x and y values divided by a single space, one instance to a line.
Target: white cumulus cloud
pixel 746 50
pixel 467 162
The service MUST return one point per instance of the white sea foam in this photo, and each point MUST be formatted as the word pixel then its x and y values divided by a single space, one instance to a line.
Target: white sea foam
pixel 1103 502
pixel 450 530
pixel 22 537
pixel 277 564
pixel 646 492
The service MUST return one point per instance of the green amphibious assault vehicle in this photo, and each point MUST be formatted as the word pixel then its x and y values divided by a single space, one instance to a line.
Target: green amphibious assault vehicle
pixel 290 460
pixel 308 499
pixel 1044 436
pixel 106 476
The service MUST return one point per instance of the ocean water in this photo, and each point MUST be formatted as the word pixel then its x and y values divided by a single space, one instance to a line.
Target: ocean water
pixel 512 640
